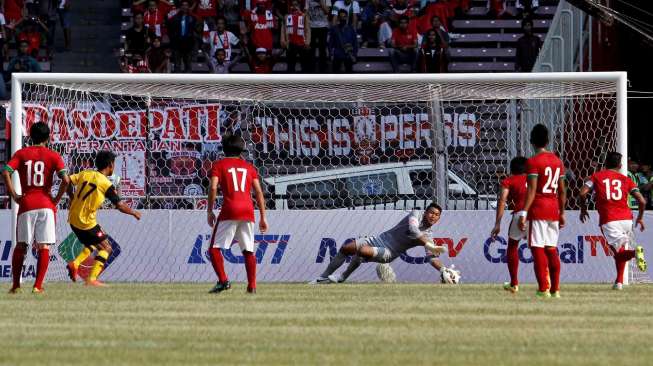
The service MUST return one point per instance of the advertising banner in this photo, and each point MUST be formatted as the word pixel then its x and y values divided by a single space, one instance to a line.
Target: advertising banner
pixel 171 246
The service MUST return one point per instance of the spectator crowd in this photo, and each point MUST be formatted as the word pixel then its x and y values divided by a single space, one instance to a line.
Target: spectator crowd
pixel 316 35
pixel 27 33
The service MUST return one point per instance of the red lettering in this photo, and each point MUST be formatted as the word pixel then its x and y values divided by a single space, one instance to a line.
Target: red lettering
pixel 453 250
pixel 156 120
pixel 33 114
pixel 103 125
pixel 593 240
pixel 80 124
pixel 131 124
pixel 213 123
pixel 194 116
pixel 60 130
pixel 173 129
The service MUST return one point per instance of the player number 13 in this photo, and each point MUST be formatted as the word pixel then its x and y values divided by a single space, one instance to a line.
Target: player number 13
pixel 243 178
pixel 613 189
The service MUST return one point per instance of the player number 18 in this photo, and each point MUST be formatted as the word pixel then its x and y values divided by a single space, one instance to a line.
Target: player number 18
pixel 612 189
pixel 235 178
pixel 35 176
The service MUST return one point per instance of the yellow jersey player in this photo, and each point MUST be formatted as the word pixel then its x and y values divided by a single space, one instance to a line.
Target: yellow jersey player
pixel 91 188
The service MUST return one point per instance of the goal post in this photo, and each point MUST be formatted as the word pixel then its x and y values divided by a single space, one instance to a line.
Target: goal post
pixel 446 138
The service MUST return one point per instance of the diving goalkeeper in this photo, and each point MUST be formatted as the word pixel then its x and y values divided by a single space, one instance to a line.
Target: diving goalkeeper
pixel 412 231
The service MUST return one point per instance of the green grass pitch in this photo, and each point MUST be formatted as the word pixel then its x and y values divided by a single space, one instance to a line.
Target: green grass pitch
pixel 365 324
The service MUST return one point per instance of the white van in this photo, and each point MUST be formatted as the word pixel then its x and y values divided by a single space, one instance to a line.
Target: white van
pixel 400 186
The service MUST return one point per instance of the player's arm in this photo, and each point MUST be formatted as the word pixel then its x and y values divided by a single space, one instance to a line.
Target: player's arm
pixel 530 197
pixel 416 234
pixel 501 207
pixel 640 209
pixel 562 199
pixel 213 192
pixel 113 197
pixel 582 200
pixel 6 174
pixel 260 202
pixel 63 187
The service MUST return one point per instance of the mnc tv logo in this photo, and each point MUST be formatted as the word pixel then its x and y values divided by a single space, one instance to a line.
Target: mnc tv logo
pixel 263 242
pixel 29 270
pixel 71 247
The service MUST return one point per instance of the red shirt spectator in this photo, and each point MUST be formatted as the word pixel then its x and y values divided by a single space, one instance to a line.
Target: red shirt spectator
pixel 261 22
pixel 33 40
pixel 14 10
pixel 442 10
pixel 261 63
pixel 206 9
pixel 295 28
pixel 155 16
pixel 404 38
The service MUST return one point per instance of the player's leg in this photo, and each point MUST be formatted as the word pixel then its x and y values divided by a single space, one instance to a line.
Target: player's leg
pixel 540 262
pixel 223 236
pixel 347 249
pixel 101 258
pixel 89 242
pixel 618 237
pixel 24 236
pixel 245 237
pixel 553 258
pixel 512 252
pixel 374 250
pixel 44 236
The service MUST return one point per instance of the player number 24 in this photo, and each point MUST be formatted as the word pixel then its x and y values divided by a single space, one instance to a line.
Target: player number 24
pixel 551 185
pixel 243 178
pixel 35 170
pixel 613 189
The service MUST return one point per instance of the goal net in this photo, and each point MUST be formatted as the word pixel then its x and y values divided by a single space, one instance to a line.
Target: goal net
pixel 339 156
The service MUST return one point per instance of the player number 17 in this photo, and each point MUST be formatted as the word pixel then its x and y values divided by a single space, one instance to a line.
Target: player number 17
pixel 235 178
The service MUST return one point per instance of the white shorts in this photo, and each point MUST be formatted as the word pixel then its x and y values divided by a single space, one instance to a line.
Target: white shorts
pixel 543 233
pixel 618 233
pixel 226 231
pixel 36 226
pixel 382 252
pixel 514 232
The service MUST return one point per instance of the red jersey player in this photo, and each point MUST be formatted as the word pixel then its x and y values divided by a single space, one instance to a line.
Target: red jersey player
pixel 545 206
pixel 236 178
pixel 611 190
pixel 513 191
pixel 35 223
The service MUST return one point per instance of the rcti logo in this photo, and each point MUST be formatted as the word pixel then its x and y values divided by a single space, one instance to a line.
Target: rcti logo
pixel 29 270
pixel 197 256
pixel 495 249
pixel 71 247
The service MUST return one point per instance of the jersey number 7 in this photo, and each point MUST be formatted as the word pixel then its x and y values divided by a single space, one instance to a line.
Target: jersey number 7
pixel 92 187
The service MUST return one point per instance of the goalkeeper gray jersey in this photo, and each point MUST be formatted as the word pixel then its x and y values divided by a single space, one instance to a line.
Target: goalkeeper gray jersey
pixel 403 235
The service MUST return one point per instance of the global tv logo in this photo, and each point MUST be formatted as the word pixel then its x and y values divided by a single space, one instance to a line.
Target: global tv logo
pixel 29 269
pixel 264 243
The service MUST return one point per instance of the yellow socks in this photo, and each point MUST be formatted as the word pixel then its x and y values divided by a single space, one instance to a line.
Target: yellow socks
pixel 100 260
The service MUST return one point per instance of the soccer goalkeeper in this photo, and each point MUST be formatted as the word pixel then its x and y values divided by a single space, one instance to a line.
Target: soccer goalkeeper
pixel 412 231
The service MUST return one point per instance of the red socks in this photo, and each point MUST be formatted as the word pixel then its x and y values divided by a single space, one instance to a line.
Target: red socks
pixel 17 260
pixel 540 264
pixel 42 267
pixel 250 267
pixel 218 263
pixel 554 267
pixel 620 259
pixel 513 261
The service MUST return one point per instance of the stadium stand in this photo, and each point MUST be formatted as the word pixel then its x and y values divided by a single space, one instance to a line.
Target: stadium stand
pixel 482 37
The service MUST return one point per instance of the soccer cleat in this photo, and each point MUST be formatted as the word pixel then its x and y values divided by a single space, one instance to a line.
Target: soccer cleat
pixel 37 290
pixel 543 294
pixel 639 255
pixel 618 286
pixel 555 294
pixel 512 289
pixel 72 271
pixel 95 283
pixel 15 290
pixel 220 286
pixel 251 291
pixel 320 281
pixel 336 279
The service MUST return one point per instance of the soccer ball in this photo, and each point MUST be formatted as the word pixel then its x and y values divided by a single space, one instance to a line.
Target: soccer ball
pixel 386 273
pixel 450 275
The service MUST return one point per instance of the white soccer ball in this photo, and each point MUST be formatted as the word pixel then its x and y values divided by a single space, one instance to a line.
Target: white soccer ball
pixel 450 276
pixel 115 180
pixel 386 273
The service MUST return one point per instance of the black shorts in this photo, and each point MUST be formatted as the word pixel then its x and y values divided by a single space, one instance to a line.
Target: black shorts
pixel 89 237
